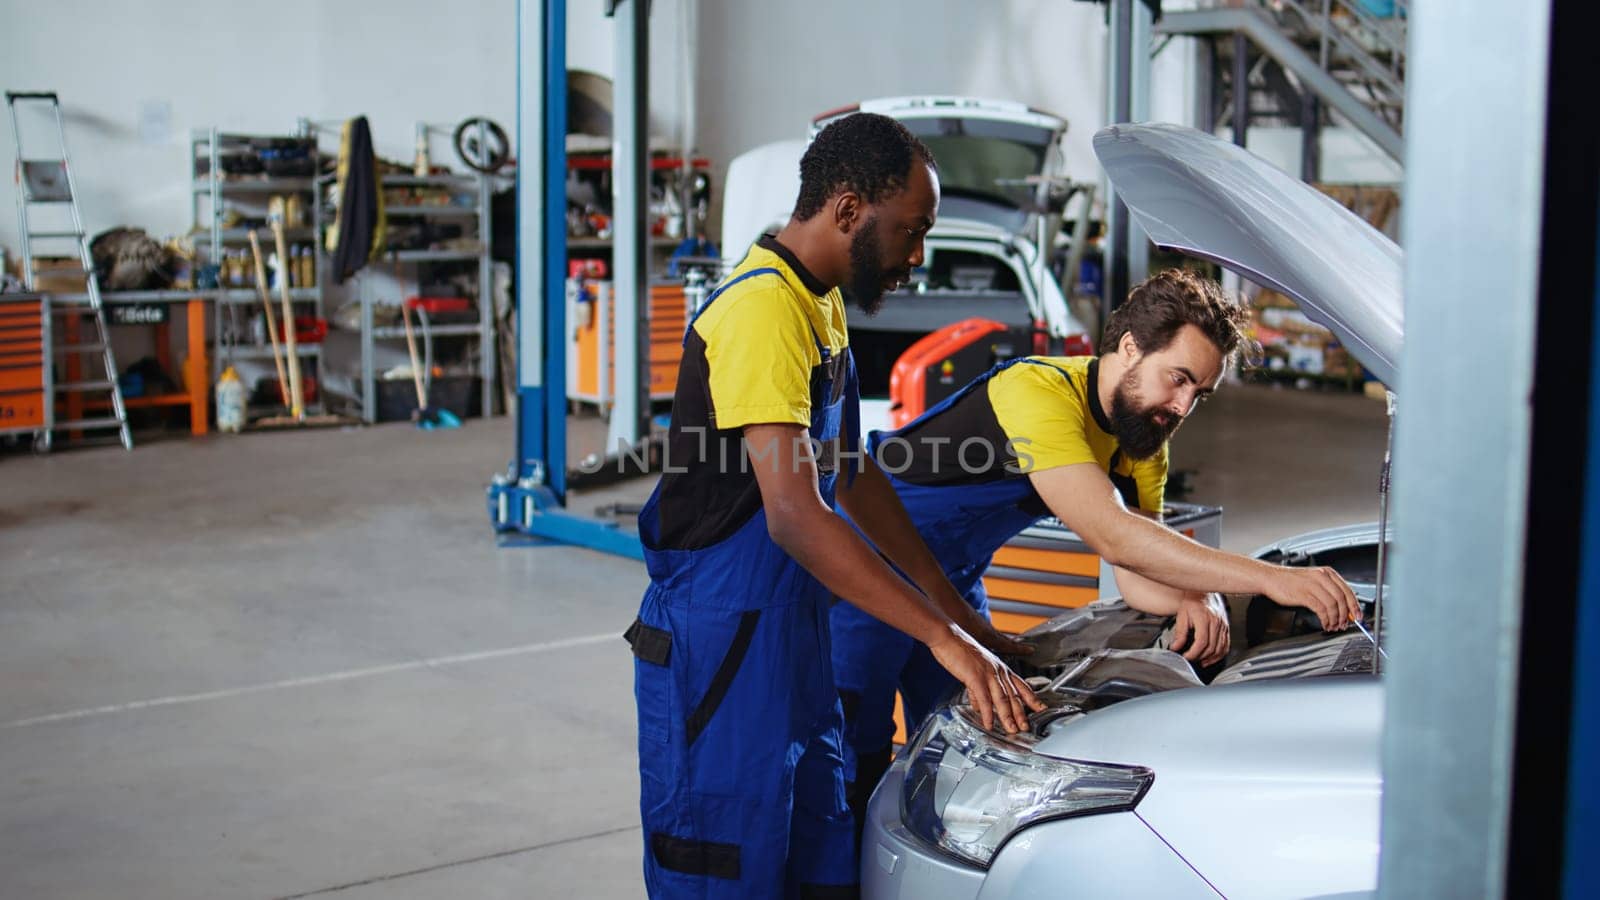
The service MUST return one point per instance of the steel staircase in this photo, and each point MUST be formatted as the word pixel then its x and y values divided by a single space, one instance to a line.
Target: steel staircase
pixel 1350 55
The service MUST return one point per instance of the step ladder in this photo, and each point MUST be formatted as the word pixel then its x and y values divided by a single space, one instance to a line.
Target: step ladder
pixel 72 335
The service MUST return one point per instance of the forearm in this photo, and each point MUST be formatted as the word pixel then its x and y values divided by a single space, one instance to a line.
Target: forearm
pixel 1152 597
pixel 877 511
pixel 1082 496
pixel 1162 555
pixel 835 555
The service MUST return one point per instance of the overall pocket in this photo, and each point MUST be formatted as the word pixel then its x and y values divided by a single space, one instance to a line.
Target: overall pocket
pixel 652 679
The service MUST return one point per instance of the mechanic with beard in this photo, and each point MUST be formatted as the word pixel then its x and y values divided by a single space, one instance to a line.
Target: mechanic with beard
pixel 741 757
pixel 1083 439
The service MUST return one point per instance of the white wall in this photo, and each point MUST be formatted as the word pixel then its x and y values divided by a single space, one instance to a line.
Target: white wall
pixel 764 68
pixel 243 67
pixel 259 67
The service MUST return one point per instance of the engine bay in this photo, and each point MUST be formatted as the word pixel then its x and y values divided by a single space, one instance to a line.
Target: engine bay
pixel 1108 652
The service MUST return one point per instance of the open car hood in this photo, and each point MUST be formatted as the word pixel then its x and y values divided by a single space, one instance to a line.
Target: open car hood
pixel 1198 194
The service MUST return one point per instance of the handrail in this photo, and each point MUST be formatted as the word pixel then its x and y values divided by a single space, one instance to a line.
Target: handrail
pixel 1325 23
pixel 1256 22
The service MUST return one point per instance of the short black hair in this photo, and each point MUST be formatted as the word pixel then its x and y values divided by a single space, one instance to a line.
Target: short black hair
pixel 1162 304
pixel 863 152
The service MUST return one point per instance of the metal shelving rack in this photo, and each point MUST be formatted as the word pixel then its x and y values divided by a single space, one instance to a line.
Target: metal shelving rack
pixel 211 189
pixel 484 329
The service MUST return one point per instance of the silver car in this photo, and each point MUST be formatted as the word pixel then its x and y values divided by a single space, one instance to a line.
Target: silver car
pixel 1140 780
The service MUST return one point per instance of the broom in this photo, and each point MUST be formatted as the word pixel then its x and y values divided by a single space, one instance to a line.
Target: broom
pixel 272 324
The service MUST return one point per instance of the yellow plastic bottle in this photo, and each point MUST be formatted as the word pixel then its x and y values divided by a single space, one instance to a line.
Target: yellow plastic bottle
pixel 231 402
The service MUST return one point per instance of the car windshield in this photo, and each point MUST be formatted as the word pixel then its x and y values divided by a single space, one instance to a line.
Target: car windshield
pixel 984 157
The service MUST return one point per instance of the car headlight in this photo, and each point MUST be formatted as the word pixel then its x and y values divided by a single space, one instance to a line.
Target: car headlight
pixel 966 791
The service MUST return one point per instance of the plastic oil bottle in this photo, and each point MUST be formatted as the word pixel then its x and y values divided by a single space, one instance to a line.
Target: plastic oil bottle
pixel 231 400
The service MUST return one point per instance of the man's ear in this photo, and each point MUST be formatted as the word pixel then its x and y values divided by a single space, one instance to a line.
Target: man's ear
pixel 846 211
pixel 1128 347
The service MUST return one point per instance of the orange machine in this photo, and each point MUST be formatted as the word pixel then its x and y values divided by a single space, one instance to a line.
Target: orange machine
pixel 590 314
pixel 937 365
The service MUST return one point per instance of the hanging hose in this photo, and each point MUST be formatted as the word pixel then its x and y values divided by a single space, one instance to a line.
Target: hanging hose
pixel 426 417
pixel 427 351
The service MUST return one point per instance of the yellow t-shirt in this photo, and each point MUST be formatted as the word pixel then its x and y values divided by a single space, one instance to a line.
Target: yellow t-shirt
pixel 760 338
pixel 751 358
pixel 1040 413
pixel 1056 421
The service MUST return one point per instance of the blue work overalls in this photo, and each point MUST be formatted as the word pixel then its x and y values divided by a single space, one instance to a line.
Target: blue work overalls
pixel 963 525
pixel 741 759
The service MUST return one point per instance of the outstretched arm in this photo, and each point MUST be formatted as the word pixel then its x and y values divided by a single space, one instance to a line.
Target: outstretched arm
pixel 1083 498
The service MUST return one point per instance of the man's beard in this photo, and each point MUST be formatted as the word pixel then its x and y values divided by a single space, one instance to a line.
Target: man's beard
pixel 1138 430
pixel 867 273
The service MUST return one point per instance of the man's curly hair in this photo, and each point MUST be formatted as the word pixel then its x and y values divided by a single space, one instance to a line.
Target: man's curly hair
pixel 865 153
pixel 1165 302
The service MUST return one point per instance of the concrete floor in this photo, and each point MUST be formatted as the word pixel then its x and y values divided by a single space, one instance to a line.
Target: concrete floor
pixel 297 664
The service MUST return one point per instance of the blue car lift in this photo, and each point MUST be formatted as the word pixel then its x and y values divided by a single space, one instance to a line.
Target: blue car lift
pixel 527 503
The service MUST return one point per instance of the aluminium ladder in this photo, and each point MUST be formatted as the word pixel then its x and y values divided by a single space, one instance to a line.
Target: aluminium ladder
pixel 89 365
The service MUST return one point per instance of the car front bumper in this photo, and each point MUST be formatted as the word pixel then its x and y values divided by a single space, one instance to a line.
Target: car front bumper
pixel 895 865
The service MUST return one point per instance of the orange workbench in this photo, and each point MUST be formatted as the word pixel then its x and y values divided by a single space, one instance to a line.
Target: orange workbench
pixel 195 374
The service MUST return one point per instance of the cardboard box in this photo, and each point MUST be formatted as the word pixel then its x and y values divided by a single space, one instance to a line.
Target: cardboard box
pixel 1338 363
pixel 58 275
